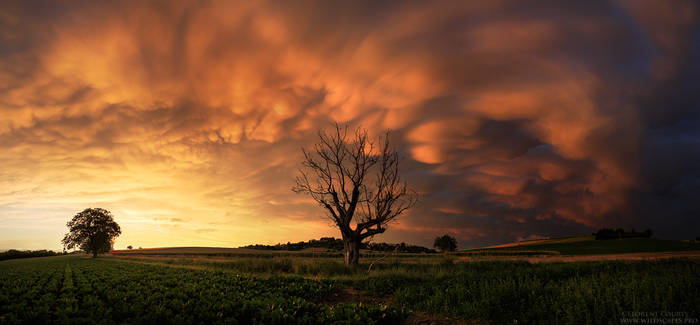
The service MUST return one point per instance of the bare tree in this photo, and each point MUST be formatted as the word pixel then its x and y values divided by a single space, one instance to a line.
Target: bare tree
pixel 356 180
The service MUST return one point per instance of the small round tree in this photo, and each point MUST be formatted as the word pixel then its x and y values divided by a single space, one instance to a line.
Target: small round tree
pixel 92 230
pixel 445 243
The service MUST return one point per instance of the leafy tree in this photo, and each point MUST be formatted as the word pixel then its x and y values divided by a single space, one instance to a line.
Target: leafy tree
pixel 129 247
pixel 356 180
pixel 92 230
pixel 445 243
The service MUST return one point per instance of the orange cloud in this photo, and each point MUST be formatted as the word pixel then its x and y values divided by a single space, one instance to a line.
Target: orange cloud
pixel 511 116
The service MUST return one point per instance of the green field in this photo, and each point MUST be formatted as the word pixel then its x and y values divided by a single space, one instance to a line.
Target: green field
pixel 77 290
pixel 587 245
pixel 301 290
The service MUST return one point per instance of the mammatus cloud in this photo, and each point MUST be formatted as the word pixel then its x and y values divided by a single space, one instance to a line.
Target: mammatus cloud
pixel 517 119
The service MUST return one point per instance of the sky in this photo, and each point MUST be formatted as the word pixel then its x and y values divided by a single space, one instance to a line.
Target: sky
pixel 515 119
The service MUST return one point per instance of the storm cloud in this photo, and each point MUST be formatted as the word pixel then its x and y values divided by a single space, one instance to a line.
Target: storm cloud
pixel 517 119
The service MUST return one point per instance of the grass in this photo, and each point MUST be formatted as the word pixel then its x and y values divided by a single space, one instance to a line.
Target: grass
pixel 77 290
pixel 590 246
pixel 320 267
pixel 581 245
pixel 492 291
pixel 541 241
pixel 248 253
pixel 288 287
pixel 590 292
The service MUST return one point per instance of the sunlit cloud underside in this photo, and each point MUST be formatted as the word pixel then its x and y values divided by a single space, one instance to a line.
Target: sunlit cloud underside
pixel 185 119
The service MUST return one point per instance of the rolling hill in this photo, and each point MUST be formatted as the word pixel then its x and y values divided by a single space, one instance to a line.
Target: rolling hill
pixel 587 245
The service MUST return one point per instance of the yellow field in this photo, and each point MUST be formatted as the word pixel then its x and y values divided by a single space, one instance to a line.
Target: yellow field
pixel 544 241
pixel 189 250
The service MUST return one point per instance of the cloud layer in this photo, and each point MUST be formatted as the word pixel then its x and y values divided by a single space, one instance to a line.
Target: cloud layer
pixel 517 119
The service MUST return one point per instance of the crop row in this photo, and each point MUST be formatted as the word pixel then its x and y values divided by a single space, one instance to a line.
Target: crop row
pixel 545 293
pixel 81 291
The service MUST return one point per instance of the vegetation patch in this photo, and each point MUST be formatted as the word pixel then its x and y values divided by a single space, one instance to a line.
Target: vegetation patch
pixel 590 246
pixel 116 292
pixel 305 291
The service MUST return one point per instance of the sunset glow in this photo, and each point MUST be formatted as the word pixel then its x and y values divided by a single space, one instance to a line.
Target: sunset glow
pixel 186 120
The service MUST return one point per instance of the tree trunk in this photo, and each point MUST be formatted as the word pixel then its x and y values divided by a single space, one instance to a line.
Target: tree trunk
pixel 352 250
pixel 94 254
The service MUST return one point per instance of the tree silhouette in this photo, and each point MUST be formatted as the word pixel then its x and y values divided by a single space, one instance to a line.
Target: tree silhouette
pixel 93 230
pixel 445 243
pixel 357 182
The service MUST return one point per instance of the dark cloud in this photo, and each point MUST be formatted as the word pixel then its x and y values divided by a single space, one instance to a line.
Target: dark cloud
pixel 517 119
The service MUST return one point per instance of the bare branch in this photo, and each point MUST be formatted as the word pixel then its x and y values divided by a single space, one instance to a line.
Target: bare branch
pixel 352 178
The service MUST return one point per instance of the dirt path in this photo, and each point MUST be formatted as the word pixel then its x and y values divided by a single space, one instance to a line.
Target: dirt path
pixel 347 295
pixel 421 318
pixel 581 258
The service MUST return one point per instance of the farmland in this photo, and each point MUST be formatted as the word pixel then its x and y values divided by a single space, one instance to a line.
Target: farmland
pixel 587 245
pixel 83 291
pixel 284 289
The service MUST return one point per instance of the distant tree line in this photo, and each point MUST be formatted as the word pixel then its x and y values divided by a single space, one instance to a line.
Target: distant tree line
pixel 13 253
pixel 619 233
pixel 336 244
pixel 402 248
